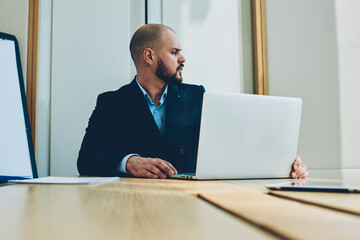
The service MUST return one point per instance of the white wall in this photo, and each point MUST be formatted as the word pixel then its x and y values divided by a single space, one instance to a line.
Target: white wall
pixel 89 55
pixel 14 16
pixel 137 19
pixel 154 11
pixel 313 49
pixel 348 38
pixel 313 53
pixel 213 41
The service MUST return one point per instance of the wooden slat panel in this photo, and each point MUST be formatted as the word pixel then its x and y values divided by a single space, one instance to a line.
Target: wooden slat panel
pixel 32 65
pixel 260 47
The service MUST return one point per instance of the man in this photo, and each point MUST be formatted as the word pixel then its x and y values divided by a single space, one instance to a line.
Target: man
pixel 150 127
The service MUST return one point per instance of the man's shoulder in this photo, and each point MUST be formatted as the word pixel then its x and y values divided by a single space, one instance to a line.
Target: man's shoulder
pixel 122 92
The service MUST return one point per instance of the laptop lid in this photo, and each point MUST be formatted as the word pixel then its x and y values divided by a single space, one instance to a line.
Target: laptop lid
pixel 17 160
pixel 247 136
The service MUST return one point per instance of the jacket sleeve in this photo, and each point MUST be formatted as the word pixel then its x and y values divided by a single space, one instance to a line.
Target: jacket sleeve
pixel 99 155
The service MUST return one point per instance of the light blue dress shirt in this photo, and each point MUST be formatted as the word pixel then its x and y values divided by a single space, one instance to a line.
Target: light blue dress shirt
pixel 159 114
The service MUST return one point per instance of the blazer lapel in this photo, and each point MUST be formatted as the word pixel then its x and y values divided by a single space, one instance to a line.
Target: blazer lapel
pixel 172 112
pixel 141 111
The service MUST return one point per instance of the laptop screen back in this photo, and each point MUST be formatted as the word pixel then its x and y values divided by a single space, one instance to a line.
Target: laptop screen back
pixel 16 151
pixel 247 136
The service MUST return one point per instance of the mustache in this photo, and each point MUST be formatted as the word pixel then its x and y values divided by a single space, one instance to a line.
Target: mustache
pixel 180 66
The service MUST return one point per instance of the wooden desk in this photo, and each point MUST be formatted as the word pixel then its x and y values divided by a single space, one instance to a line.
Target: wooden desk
pixel 126 209
pixel 165 209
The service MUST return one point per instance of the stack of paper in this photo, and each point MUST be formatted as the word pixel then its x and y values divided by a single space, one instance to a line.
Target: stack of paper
pixel 66 180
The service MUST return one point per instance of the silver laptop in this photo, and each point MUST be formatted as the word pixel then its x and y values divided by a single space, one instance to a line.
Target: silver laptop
pixel 246 136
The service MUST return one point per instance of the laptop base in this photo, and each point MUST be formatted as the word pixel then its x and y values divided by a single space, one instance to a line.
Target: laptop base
pixel 187 176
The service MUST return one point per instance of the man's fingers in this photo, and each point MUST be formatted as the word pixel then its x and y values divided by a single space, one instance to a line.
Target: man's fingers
pixel 300 171
pixel 296 164
pixel 156 171
pixel 149 167
pixel 144 167
pixel 303 170
pixel 161 164
pixel 144 173
pixel 299 174
pixel 171 167
pixel 149 175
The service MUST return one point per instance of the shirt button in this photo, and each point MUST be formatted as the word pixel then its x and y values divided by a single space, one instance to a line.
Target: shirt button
pixel 182 151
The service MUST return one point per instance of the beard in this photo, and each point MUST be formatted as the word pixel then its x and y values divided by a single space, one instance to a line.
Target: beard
pixel 164 73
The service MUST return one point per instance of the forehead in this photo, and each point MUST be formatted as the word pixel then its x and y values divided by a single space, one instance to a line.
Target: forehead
pixel 169 40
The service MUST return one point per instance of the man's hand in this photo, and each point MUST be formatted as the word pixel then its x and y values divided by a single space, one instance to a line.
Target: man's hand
pixel 299 169
pixel 149 167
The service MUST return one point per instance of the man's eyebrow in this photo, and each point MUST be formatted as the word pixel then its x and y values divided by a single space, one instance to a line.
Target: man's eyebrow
pixel 177 49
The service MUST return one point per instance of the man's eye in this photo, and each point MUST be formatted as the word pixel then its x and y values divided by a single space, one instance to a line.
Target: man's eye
pixel 174 52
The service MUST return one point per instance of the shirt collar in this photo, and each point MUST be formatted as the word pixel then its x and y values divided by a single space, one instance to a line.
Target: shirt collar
pixel 148 98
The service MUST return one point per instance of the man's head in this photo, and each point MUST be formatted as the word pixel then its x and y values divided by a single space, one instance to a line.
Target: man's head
pixel 155 47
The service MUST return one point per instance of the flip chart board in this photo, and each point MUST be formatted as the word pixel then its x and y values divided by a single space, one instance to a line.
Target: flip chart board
pixel 16 149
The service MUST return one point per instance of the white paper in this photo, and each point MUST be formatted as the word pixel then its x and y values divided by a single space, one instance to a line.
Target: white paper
pixel 66 180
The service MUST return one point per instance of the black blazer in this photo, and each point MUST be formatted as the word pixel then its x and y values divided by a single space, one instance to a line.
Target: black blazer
pixel 122 124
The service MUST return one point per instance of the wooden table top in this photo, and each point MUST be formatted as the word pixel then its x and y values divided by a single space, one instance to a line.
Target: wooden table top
pixel 288 215
pixel 126 209
pixel 132 208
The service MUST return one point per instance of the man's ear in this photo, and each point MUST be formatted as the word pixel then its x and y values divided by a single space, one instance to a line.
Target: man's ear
pixel 148 56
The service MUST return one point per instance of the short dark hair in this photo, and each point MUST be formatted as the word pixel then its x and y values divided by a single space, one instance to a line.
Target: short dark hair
pixel 146 37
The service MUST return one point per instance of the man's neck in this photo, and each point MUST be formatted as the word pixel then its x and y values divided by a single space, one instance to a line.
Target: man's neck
pixel 153 86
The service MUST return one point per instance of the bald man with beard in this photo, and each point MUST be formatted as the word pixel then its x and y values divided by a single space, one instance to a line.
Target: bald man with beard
pixel 150 127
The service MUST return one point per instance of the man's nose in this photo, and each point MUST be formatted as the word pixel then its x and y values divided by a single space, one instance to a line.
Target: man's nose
pixel 181 58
